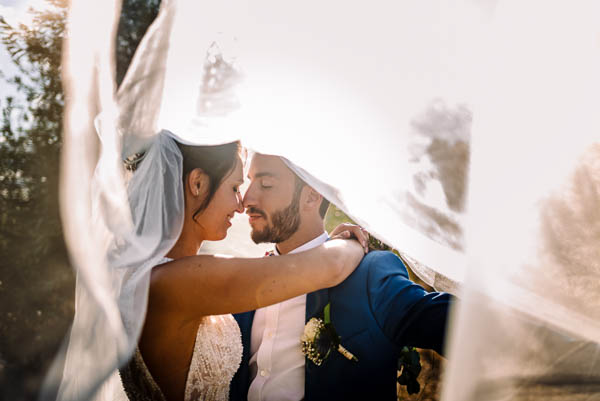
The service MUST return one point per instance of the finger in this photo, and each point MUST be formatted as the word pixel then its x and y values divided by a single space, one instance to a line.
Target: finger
pixel 363 239
pixel 357 232
pixel 352 230
pixel 342 235
pixel 341 228
pixel 365 234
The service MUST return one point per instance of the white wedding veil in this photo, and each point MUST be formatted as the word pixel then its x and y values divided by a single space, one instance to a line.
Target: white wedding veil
pixel 132 200
pixel 529 323
pixel 389 110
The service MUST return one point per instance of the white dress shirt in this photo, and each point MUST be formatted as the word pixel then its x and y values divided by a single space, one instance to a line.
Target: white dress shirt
pixel 276 359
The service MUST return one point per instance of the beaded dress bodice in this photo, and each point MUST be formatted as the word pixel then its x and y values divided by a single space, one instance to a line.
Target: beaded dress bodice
pixel 216 358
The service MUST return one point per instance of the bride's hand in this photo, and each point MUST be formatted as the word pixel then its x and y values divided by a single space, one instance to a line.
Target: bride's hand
pixel 347 231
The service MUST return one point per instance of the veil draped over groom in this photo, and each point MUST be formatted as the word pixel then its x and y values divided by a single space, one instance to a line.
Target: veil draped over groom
pixel 457 134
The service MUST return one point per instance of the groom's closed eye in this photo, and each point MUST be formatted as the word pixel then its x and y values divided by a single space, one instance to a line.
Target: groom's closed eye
pixel 265 180
pixel 266 184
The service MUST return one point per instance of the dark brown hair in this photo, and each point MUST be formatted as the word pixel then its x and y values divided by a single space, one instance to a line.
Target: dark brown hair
pixel 217 162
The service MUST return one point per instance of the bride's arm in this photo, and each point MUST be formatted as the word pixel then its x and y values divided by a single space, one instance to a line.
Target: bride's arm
pixel 211 285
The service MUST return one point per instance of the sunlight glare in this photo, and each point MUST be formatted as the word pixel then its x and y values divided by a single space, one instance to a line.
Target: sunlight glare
pixel 19 13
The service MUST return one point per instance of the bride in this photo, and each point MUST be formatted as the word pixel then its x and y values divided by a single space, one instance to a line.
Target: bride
pixel 190 345
pixel 146 303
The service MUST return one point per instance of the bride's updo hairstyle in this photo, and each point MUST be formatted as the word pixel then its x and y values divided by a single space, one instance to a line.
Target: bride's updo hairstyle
pixel 216 161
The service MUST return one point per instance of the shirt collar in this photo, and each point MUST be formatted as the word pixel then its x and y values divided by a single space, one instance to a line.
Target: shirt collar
pixel 315 242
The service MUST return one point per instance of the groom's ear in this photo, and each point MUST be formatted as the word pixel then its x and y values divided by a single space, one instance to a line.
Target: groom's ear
pixel 312 199
pixel 197 182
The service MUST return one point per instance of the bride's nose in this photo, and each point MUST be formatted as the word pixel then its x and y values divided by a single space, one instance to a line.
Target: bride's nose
pixel 240 204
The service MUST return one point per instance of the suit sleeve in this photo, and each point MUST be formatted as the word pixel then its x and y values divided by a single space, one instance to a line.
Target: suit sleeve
pixel 406 313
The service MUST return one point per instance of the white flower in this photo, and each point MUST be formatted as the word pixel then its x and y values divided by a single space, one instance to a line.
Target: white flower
pixel 314 330
pixel 311 330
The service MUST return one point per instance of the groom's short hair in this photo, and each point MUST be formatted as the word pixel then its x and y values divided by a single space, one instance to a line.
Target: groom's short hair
pixel 324 203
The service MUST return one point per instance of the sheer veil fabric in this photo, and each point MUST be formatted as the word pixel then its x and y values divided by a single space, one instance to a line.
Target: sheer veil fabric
pixel 373 105
pixel 529 323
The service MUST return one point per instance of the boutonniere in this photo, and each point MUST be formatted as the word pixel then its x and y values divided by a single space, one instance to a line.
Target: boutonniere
pixel 320 337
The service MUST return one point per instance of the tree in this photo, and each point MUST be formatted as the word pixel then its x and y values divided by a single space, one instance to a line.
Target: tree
pixel 136 16
pixel 36 281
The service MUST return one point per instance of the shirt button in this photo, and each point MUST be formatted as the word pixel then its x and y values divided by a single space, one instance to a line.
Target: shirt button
pixel 263 373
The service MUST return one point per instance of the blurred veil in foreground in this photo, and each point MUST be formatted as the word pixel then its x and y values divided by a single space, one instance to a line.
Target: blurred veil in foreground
pixel 374 106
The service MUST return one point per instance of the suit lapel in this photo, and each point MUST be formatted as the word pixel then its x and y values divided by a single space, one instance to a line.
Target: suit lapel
pixel 241 380
pixel 315 302
pixel 244 320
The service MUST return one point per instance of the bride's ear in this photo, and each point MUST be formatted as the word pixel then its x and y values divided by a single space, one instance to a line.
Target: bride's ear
pixel 197 183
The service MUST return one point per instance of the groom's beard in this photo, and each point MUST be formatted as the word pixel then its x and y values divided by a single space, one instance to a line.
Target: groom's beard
pixel 284 223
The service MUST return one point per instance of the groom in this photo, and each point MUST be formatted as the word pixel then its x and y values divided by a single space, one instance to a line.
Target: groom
pixel 376 311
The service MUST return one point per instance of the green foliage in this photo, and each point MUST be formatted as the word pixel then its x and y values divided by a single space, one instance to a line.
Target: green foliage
pixel 409 364
pixel 335 217
pixel 136 16
pixel 30 131
pixel 36 281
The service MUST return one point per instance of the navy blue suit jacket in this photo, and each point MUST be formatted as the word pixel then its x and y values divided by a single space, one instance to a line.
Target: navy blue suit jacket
pixel 376 311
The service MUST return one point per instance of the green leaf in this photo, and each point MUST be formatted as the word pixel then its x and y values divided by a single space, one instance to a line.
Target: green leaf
pixel 327 313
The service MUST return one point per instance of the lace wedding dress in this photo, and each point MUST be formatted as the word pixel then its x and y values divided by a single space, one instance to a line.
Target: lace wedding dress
pixel 216 357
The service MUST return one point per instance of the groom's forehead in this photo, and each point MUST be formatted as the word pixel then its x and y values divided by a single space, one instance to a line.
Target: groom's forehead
pixel 268 165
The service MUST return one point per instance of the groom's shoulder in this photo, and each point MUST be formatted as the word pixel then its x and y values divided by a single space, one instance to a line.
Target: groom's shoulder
pixel 382 260
pixel 375 270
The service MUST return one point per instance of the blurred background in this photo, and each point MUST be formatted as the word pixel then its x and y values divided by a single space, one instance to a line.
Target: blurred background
pixel 36 281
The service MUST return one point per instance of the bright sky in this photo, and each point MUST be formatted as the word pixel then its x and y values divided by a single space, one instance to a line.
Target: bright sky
pixel 14 12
